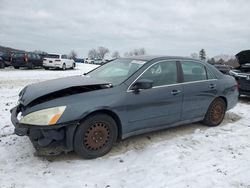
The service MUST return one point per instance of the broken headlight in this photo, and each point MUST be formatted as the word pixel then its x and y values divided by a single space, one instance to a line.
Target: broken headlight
pixel 45 117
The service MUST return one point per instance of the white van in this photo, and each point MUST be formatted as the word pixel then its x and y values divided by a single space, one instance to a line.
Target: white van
pixel 58 61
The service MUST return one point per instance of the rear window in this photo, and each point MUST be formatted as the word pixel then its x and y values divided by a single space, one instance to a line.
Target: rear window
pixel 55 56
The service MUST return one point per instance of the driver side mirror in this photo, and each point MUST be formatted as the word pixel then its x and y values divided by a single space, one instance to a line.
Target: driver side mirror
pixel 142 84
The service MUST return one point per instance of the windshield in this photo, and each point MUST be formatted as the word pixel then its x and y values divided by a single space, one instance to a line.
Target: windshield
pixel 117 71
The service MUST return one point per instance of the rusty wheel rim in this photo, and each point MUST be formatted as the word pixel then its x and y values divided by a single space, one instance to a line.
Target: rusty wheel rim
pixel 97 136
pixel 217 113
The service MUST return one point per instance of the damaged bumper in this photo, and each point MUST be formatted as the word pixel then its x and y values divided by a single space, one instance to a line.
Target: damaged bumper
pixel 47 140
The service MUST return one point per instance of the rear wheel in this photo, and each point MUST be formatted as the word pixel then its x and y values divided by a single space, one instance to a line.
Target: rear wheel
pixel 215 113
pixel 16 67
pixel 64 66
pixel 73 65
pixel 2 65
pixel 31 66
pixel 95 136
pixel 46 68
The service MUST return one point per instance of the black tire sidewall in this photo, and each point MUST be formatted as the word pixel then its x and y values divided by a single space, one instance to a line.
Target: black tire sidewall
pixel 64 67
pixel 207 120
pixel 79 146
pixel 2 65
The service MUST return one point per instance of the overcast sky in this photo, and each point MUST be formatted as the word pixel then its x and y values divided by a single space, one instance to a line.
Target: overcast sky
pixel 165 27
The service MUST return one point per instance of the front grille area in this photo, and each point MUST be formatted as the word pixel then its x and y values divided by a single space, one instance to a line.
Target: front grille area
pixel 244 84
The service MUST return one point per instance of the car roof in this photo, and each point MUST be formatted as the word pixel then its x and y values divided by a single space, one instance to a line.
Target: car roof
pixel 159 57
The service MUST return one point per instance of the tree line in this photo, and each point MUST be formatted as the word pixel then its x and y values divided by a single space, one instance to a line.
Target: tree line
pixel 101 52
pixel 202 56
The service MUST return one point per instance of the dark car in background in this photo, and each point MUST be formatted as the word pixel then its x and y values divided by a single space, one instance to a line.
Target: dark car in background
pixel 223 68
pixel 242 73
pixel 1 63
pixel 6 59
pixel 26 59
pixel 125 97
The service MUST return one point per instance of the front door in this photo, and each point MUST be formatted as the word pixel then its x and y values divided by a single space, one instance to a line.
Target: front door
pixel 158 106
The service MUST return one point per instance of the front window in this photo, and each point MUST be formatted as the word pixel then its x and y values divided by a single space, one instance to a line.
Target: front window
pixel 117 71
pixel 163 73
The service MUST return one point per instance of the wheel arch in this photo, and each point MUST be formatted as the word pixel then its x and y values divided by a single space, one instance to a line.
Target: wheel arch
pixel 224 99
pixel 109 113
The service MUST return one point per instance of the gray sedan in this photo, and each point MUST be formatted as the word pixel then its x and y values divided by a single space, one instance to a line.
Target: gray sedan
pixel 128 96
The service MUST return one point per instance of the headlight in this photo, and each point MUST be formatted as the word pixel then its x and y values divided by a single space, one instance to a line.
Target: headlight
pixel 45 117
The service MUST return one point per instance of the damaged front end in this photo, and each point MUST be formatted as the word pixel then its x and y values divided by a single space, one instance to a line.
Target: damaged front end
pixel 47 140
pixel 51 125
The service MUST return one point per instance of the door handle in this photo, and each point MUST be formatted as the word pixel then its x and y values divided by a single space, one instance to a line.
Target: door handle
pixel 175 92
pixel 212 86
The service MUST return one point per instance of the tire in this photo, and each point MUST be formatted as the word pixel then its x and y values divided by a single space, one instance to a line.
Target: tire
pixel 31 66
pixel 95 136
pixel 2 65
pixel 64 66
pixel 73 66
pixel 46 68
pixel 215 113
pixel 16 67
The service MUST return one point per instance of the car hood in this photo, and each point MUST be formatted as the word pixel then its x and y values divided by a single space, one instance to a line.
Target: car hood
pixel 243 57
pixel 56 88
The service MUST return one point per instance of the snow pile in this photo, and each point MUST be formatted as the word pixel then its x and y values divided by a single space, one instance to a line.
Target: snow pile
pixel 187 156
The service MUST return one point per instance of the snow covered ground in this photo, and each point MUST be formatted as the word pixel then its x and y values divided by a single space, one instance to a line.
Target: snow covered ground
pixel 185 156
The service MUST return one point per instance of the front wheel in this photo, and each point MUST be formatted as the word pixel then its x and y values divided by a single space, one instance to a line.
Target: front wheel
pixel 215 113
pixel 95 136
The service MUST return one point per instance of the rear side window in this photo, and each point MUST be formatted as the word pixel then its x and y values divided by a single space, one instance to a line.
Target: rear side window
pixel 163 73
pixel 193 71
pixel 64 56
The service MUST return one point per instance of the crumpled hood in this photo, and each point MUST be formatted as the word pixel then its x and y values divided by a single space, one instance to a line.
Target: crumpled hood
pixel 53 87
pixel 243 57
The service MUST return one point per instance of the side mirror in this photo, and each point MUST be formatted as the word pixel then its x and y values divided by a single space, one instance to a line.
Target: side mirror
pixel 142 84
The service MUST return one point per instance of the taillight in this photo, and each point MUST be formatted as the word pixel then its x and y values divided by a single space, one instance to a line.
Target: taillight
pixel 58 60
pixel 25 58
pixel 238 85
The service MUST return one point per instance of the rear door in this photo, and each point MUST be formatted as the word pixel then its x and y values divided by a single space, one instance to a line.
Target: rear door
pixel 199 87
pixel 159 106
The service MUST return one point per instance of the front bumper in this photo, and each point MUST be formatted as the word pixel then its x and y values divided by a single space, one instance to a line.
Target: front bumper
pixel 46 137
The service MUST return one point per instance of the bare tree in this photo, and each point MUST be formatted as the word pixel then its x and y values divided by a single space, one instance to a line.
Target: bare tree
pixel 116 54
pixel 141 51
pixel 194 56
pixel 102 51
pixel 93 54
pixel 126 54
pixel 136 52
pixel 72 54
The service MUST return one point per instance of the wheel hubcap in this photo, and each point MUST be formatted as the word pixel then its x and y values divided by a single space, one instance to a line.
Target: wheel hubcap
pixel 217 113
pixel 96 136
